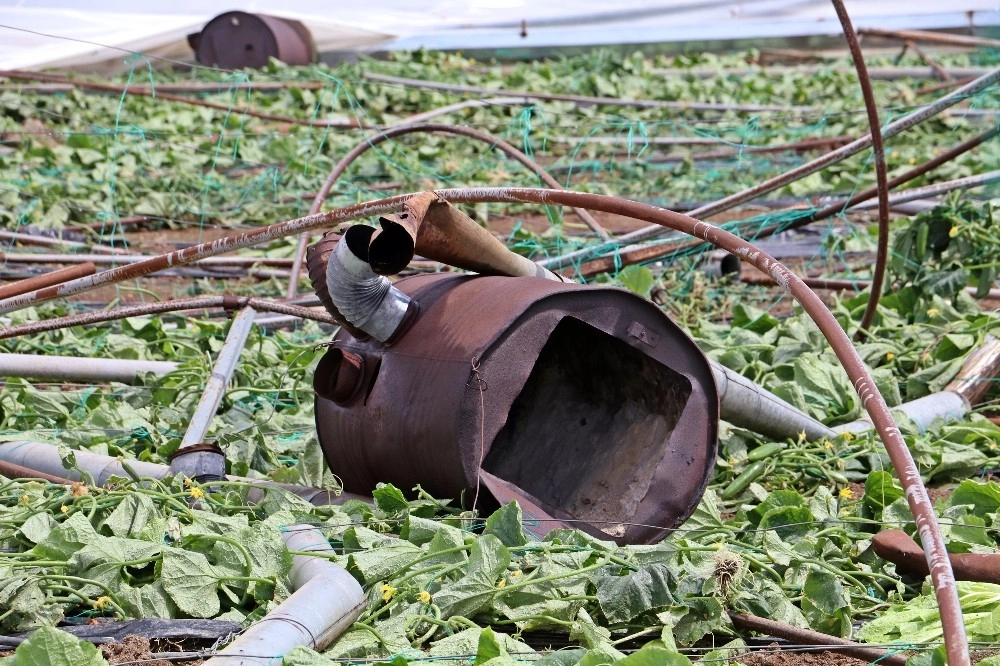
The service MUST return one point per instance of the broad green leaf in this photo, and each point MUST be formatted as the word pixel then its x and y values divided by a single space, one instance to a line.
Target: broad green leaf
pixel 505 524
pixel 625 597
pixel 51 647
pixel 390 499
pixel 488 560
pixel 655 656
pixel 881 490
pixel 131 516
pixel 637 279
pixel 191 581
pixel 826 603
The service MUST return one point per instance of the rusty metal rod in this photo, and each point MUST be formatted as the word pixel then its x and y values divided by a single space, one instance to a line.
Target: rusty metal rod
pixel 176 305
pixel 660 250
pixel 47 279
pixel 222 372
pixel 799 172
pixel 32 239
pixel 48 258
pixel 810 637
pixel 150 92
pixel 929 36
pixel 582 99
pixel 401 130
pixel 882 247
pixel 902 461
pixel 15 471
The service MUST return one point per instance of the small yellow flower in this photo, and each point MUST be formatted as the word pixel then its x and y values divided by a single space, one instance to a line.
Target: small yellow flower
pixel 802 436
pixel 102 603
pixel 845 493
pixel 827 444
pixel 717 545
pixel 502 583
pixel 848 437
pixel 187 482
pixel 196 492
pixel 64 508
pixel 913 160
pixel 933 312
pixel 953 232
pixel 425 597
pixel 387 591
pixel 25 499
pixel 889 356
pixel 516 573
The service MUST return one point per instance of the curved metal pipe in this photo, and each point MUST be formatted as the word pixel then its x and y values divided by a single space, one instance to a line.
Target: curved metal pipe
pixel 882 249
pixel 410 128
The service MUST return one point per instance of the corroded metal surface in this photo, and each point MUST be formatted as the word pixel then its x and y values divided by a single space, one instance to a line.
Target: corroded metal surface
pixel 588 403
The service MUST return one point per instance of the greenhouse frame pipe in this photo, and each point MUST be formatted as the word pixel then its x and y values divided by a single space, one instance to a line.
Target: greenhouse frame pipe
pixel 940 566
pixel 583 99
pixel 222 372
pixel 47 279
pixel 326 602
pixel 53 258
pixel 402 130
pixel 892 129
pixel 79 368
pixel 176 305
pixel 655 251
pixel 940 188
pixel 881 178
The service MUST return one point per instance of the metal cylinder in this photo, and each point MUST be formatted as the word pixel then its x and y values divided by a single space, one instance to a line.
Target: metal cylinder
pixel 235 40
pixel 583 403
pixel 45 458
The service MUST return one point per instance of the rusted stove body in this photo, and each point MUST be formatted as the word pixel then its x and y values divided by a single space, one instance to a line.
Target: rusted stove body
pixel 586 404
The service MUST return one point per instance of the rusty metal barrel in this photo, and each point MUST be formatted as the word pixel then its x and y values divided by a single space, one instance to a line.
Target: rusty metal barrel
pixel 234 40
pixel 585 404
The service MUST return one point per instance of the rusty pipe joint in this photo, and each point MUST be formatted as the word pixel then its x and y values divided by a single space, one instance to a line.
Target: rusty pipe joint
pixel 365 299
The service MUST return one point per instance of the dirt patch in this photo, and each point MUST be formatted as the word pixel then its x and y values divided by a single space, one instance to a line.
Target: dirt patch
pixel 779 657
pixel 134 649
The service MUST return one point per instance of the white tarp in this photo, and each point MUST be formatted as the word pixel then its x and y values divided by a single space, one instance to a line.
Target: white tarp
pixel 50 33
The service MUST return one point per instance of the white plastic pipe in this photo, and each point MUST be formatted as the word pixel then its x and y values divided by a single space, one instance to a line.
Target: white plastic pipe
pixel 79 369
pixel 327 600
pixel 44 457
pixel 222 372
pixel 945 405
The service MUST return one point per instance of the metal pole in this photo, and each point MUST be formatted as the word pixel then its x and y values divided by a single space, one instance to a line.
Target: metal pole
pixel 225 364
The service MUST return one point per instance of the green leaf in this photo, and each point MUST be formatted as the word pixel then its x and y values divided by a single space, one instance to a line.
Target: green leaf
pixel 131 515
pixel 51 647
pixel 650 655
pixel 505 524
pixel 826 603
pixel 625 597
pixel 881 490
pixel 637 279
pixel 390 499
pixel 191 581
pixel 488 560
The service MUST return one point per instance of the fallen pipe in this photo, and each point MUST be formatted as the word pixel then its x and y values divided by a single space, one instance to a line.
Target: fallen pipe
pixel 899 548
pixel 326 602
pixel 194 458
pixel 810 637
pixel 747 405
pixel 79 369
pixel 176 305
pixel 47 279
pixel 43 460
pixel 944 405
pixel 43 457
